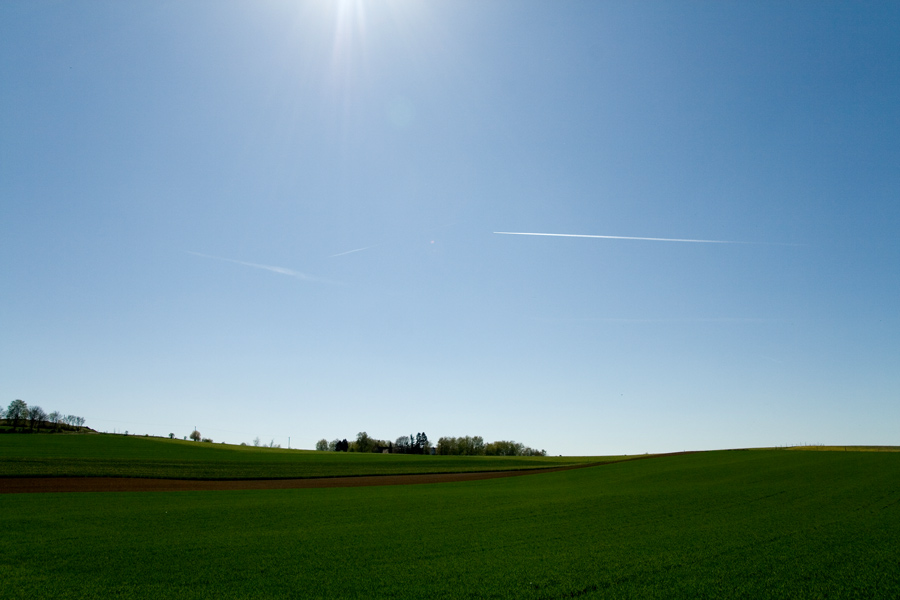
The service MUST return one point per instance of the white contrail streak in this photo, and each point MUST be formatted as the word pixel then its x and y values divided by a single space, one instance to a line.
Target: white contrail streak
pixel 646 239
pixel 352 251
pixel 273 269
pixel 630 321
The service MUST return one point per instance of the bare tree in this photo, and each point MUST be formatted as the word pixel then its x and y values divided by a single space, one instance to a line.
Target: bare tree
pixel 402 445
pixel 322 445
pixel 36 414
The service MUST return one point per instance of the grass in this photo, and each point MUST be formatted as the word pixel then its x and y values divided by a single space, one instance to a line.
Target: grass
pixel 847 448
pixel 750 524
pixel 102 455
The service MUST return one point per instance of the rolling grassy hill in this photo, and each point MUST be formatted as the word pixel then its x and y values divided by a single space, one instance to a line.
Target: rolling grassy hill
pixel 131 456
pixel 730 524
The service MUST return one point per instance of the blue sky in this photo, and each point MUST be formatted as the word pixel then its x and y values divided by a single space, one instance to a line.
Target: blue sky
pixel 277 219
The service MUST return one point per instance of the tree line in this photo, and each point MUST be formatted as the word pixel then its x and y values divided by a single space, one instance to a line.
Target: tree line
pixel 419 444
pixel 411 444
pixel 19 415
pixel 475 446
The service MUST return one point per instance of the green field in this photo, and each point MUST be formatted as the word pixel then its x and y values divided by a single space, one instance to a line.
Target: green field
pixel 101 455
pixel 729 524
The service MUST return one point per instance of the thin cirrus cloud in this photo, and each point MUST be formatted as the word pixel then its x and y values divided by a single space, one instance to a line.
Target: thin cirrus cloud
pixel 271 268
pixel 645 239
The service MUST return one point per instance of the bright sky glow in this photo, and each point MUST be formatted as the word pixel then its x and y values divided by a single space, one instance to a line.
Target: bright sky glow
pixel 280 219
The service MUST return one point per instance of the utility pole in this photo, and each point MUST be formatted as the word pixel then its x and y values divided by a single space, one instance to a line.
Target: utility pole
pixel 289 442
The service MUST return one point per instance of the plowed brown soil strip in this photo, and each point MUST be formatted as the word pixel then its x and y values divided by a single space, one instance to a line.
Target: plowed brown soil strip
pixel 36 485
pixel 27 485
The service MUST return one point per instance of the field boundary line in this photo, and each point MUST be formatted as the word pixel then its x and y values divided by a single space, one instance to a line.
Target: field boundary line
pixel 31 485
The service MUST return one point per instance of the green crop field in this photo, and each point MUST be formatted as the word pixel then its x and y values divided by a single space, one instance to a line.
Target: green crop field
pixel 729 524
pixel 132 456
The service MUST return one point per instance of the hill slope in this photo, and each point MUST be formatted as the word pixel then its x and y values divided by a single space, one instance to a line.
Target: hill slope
pixel 740 524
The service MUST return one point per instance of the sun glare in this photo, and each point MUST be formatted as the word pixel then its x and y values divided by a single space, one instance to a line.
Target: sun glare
pixel 349 28
pixel 353 19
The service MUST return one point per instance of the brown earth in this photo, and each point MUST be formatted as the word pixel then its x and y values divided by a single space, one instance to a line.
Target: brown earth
pixel 36 485
pixel 30 485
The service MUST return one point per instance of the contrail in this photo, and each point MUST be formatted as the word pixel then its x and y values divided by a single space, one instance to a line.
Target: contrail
pixel 273 269
pixel 646 239
pixel 352 251
pixel 627 320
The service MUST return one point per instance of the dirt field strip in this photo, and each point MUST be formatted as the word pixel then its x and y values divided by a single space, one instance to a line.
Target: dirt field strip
pixel 47 485
pixel 36 485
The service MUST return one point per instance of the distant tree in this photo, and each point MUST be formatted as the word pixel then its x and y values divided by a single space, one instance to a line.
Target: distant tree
pixel 363 443
pixel 209 440
pixel 256 441
pixel 17 411
pixel 411 444
pixel 195 435
pixel 461 446
pixel 510 448
pixel 322 445
pixel 36 414
pixel 343 446
pixel 171 436
pixel 332 445
pixel 54 417
pixel 272 444
pixel 421 445
pixel 2 413
pixel 402 445
pixel 445 445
